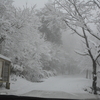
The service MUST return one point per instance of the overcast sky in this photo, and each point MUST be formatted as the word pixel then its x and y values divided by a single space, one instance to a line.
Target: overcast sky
pixel 20 3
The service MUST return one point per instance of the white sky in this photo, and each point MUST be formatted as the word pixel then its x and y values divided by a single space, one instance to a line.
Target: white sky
pixel 39 3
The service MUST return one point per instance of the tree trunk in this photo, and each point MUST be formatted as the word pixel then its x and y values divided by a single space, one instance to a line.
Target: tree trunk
pixel 94 84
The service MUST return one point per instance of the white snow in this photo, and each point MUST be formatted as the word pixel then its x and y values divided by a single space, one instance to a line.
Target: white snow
pixel 4 57
pixel 58 83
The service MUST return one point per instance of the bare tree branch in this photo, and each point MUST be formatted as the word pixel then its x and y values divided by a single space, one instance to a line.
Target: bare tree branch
pixel 62 6
pixel 73 3
pixel 83 54
pixel 97 3
pixel 70 13
pixel 87 44
pixel 72 28
pixel 84 24
pixel 48 7
pixel 87 29
pixel 97 57
pixel 83 42
pixel 91 41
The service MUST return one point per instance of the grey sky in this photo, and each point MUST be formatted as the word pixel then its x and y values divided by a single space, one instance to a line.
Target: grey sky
pixel 39 3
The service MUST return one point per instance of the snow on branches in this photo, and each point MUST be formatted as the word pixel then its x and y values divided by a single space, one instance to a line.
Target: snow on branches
pixel 82 53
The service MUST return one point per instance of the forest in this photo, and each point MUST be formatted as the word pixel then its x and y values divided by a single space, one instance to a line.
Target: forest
pixel 32 39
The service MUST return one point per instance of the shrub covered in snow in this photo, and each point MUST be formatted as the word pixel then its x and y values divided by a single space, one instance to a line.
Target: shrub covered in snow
pixel 16 69
pixel 30 74
pixel 37 75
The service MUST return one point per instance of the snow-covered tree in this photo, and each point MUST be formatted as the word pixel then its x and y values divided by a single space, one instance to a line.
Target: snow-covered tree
pixel 50 26
pixel 79 17
pixel 5 25
pixel 23 43
pixel 30 42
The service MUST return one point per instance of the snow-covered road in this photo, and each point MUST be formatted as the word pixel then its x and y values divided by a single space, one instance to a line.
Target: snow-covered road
pixel 58 83
pixel 61 95
pixel 54 87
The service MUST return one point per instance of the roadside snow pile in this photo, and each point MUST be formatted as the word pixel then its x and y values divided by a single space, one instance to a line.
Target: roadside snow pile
pixel 17 69
pixel 30 74
pixel 37 75
pixel 57 83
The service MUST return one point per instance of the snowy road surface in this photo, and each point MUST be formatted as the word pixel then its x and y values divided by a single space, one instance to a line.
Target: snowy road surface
pixel 54 87
pixel 63 87
pixel 59 83
pixel 59 95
